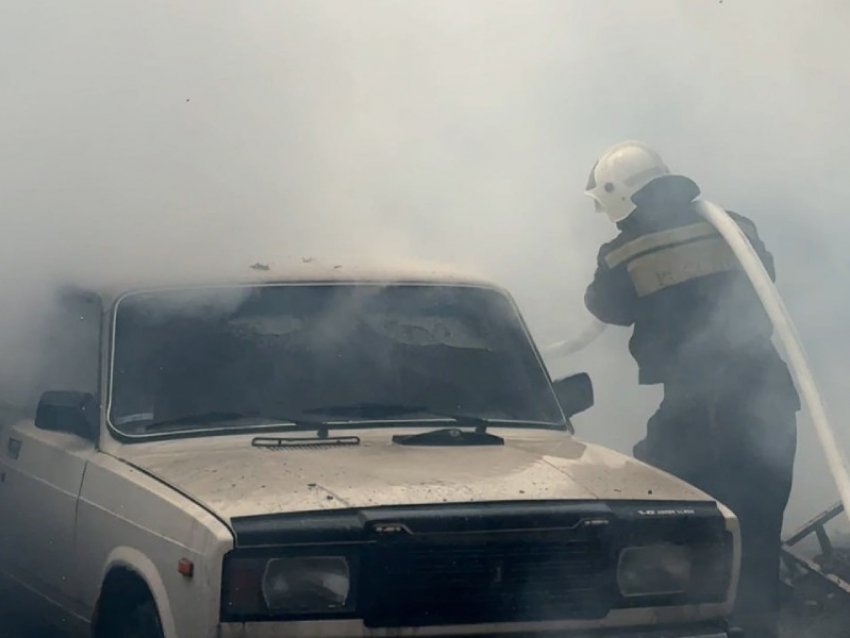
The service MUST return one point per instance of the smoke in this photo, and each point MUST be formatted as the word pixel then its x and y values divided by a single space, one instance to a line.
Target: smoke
pixel 174 139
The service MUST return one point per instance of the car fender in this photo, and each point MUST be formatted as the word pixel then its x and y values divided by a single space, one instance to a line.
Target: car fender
pixel 136 561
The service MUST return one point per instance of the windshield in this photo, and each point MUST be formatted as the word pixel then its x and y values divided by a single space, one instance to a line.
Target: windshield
pixel 255 356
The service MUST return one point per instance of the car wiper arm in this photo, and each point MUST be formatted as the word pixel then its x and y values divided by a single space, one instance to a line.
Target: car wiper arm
pixel 203 418
pixel 389 410
pixel 449 437
pixel 367 410
pixel 442 437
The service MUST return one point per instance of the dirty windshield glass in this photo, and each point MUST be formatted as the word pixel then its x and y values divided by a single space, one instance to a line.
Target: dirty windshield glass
pixel 214 357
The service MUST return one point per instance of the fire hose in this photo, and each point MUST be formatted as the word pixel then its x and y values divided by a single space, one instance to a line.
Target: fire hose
pixel 571 346
pixel 785 331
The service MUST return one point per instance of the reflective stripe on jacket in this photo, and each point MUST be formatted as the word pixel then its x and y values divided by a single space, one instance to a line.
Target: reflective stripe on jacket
pixel 669 257
pixel 673 277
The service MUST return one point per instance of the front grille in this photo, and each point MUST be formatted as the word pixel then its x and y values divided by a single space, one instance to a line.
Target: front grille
pixel 455 580
pixel 461 564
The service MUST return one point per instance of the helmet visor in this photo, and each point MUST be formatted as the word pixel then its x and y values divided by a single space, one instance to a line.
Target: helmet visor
pixel 591 180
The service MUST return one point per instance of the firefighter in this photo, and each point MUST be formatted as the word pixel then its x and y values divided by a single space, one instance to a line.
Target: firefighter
pixel 727 421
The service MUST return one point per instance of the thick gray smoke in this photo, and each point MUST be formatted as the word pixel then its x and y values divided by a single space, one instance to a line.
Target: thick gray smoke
pixel 165 138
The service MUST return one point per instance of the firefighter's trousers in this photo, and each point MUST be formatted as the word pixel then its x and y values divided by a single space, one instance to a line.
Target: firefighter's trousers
pixel 737 444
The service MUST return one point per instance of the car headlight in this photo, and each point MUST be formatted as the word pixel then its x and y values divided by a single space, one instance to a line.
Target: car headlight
pixel 654 570
pixel 255 587
pixel 307 584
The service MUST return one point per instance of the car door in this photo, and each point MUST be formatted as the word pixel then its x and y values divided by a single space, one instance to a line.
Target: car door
pixel 9 521
pixel 41 471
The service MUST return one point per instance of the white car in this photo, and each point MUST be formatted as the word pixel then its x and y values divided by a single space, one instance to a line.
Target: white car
pixel 338 455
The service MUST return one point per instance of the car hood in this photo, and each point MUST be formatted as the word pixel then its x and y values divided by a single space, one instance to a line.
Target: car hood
pixel 232 478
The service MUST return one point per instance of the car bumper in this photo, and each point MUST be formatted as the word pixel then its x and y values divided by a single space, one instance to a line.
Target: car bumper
pixel 355 629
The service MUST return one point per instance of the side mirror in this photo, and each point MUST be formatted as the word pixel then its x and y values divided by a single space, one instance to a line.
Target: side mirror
pixel 67 411
pixel 574 393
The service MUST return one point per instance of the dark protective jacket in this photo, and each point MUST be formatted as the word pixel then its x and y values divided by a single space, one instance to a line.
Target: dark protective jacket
pixel 672 276
pixel 727 423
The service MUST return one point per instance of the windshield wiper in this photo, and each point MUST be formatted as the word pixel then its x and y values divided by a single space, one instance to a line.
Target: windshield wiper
pixel 389 410
pixel 443 436
pixel 205 418
pixel 367 410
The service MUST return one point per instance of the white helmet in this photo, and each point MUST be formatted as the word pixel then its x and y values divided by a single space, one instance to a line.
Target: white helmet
pixel 619 173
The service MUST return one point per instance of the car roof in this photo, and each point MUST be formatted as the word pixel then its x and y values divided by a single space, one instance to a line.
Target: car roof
pixel 109 289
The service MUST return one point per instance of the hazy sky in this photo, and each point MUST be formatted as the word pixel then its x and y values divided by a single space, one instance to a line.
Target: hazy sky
pixel 164 136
